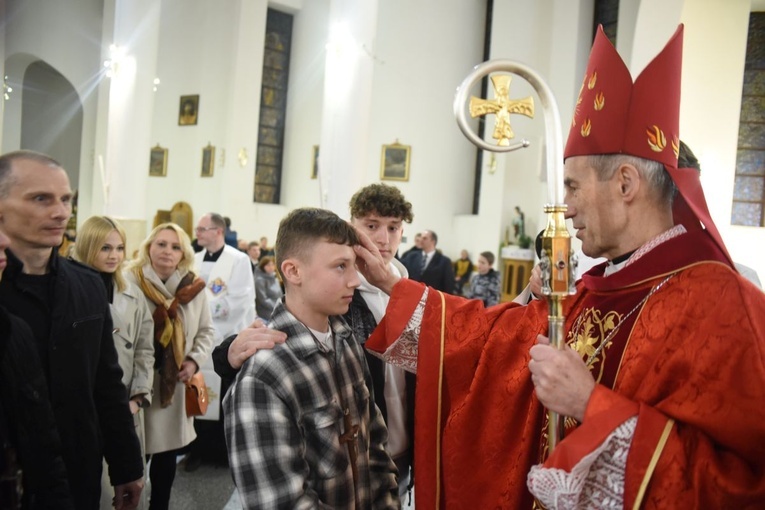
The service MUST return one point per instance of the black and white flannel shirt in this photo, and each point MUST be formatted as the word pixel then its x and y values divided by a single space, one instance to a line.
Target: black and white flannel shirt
pixel 284 420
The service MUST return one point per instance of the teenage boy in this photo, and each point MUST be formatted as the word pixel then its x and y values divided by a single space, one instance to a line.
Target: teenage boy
pixel 379 211
pixel 301 426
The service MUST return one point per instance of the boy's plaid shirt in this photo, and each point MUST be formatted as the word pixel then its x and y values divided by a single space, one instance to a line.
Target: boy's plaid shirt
pixel 284 419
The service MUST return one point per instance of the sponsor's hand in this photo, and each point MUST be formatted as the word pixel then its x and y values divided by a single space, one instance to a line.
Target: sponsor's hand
pixel 252 339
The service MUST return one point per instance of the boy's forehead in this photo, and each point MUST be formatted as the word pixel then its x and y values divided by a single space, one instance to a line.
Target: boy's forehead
pixel 330 249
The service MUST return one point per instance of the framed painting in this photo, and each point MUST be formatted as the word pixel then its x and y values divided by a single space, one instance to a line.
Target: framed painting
pixel 188 111
pixel 158 162
pixel 315 162
pixel 208 161
pixel 394 164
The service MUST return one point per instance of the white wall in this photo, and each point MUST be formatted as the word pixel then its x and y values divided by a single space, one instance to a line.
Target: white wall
pixel 716 32
pixel 66 35
pixel 421 57
pixel 195 53
pixel 559 55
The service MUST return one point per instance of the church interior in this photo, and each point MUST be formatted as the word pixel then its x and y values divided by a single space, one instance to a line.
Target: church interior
pixel 169 109
pixel 103 86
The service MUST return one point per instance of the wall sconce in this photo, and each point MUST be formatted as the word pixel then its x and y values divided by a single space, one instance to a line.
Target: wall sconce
pixel 112 64
pixel 492 164
pixel 243 158
pixel 6 89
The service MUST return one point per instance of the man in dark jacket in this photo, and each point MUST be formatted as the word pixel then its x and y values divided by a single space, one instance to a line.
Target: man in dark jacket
pixel 31 449
pixel 65 305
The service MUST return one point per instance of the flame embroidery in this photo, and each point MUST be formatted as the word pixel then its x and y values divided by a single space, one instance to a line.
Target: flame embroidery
pixel 586 126
pixel 656 139
pixel 593 80
pixel 676 146
pixel 578 102
pixel 599 102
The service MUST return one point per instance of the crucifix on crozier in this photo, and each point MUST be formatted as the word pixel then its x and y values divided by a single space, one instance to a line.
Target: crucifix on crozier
pixel 502 106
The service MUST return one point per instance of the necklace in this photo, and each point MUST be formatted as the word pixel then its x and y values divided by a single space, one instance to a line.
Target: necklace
pixel 607 340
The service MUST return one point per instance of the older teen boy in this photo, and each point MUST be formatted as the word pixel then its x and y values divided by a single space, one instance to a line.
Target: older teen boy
pixel 301 426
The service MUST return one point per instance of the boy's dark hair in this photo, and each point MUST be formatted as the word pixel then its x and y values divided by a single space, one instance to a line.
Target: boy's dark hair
pixel 383 200
pixel 686 158
pixel 302 228
pixel 489 256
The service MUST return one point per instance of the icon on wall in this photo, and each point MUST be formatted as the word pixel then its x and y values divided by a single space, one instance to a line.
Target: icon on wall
pixel 189 109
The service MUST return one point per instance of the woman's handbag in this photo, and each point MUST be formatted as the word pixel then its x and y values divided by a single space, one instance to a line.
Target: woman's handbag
pixel 196 395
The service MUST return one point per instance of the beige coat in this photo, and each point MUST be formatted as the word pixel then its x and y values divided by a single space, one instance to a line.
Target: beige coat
pixel 170 428
pixel 133 332
pixel 134 339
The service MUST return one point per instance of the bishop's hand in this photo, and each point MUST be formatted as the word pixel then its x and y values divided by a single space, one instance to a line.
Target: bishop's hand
pixel 562 381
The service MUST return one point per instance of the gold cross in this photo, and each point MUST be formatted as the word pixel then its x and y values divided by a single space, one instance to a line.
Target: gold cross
pixel 350 437
pixel 502 107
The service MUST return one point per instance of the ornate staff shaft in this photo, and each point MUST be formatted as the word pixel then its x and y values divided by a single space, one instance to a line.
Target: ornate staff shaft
pixel 557 259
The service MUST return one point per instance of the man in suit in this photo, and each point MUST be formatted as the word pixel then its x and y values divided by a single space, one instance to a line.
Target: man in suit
pixel 431 267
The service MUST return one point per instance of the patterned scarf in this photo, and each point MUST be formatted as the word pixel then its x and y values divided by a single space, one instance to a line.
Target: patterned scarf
pixel 169 338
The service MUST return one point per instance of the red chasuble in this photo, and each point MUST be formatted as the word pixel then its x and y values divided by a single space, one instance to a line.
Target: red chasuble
pixel 689 362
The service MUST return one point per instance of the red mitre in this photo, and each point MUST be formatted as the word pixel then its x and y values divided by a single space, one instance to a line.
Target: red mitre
pixel 613 115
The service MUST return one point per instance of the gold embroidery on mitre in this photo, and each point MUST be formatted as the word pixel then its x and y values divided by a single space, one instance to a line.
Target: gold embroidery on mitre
pixel 656 139
pixel 578 102
pixel 599 102
pixel 587 333
pixel 593 80
pixel 586 126
pixel 676 146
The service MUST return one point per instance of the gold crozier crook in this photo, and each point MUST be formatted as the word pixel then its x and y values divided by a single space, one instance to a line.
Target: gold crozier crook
pixel 557 260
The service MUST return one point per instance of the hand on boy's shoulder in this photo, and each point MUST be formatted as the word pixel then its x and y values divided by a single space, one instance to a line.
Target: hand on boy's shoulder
pixel 252 339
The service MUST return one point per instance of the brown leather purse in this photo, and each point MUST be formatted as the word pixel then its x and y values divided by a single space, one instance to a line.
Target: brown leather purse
pixel 196 395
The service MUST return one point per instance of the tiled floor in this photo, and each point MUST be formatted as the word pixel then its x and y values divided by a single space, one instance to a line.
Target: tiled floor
pixel 208 488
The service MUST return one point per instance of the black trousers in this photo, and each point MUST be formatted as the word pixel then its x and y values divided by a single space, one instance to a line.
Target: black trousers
pixel 162 475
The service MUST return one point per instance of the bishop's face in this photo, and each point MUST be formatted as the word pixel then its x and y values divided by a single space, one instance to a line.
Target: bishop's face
pixel 594 208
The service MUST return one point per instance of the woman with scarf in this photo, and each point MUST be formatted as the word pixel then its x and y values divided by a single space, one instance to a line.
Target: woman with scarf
pixel 101 245
pixel 183 338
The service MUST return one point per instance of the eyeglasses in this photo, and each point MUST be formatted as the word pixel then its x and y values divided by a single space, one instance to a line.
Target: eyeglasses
pixel 204 229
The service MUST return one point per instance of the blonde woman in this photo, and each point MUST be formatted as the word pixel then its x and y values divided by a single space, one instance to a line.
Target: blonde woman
pixel 101 245
pixel 183 338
